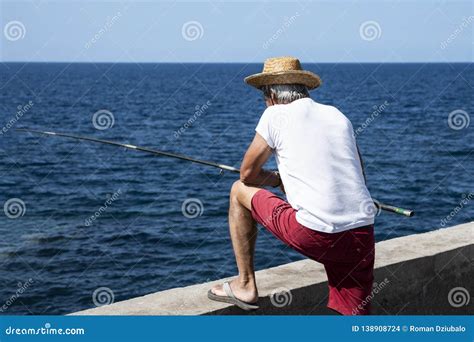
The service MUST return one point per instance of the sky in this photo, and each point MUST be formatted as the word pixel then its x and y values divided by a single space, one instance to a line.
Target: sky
pixel 214 31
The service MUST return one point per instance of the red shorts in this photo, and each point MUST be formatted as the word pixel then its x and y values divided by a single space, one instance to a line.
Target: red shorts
pixel 348 256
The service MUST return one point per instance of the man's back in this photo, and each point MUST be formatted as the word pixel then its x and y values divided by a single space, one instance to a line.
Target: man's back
pixel 321 171
pixel 317 157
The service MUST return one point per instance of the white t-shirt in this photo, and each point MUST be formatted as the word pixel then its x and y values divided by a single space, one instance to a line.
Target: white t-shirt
pixel 316 154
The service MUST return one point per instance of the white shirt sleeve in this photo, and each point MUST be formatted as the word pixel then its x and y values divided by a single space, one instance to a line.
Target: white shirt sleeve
pixel 264 128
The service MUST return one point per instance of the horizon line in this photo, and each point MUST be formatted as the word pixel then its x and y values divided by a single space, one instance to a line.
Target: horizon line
pixel 235 62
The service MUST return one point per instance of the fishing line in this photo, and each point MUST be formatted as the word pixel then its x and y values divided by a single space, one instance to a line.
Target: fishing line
pixel 380 206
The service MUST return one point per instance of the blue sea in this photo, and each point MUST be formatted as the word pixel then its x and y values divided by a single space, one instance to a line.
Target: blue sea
pixel 79 216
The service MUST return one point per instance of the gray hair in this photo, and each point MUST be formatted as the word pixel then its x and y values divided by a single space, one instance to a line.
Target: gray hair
pixel 285 93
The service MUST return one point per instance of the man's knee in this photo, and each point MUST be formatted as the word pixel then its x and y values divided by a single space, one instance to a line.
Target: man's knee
pixel 235 189
pixel 238 191
pixel 242 194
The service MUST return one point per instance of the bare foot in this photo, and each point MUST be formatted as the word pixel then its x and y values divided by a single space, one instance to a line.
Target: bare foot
pixel 245 291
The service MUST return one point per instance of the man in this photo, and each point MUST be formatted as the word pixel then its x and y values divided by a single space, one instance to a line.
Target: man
pixel 329 215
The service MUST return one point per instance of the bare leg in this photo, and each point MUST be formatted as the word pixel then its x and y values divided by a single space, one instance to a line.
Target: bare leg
pixel 243 232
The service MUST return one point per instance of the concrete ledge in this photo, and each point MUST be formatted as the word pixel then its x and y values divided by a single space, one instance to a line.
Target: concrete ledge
pixel 417 273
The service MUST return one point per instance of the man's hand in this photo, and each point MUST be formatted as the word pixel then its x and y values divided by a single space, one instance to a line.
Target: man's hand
pixel 251 171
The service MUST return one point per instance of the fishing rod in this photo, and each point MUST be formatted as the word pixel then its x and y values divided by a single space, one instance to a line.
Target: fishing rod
pixel 380 206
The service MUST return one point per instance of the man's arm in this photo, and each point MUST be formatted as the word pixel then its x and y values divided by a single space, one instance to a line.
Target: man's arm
pixel 251 171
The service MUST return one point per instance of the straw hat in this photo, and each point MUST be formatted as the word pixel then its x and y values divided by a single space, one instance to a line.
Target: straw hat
pixel 283 70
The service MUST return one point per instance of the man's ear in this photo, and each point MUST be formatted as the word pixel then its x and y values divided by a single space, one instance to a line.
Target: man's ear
pixel 269 101
pixel 274 98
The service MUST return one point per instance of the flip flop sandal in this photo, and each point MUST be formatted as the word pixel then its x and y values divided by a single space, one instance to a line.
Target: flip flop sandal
pixel 231 299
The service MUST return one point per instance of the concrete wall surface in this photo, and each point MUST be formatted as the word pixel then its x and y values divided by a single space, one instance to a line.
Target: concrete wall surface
pixel 428 273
